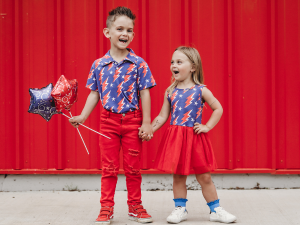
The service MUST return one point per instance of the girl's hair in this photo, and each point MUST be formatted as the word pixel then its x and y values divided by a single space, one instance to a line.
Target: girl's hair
pixel 194 57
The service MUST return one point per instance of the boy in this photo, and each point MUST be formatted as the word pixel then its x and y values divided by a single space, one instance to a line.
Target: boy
pixel 119 79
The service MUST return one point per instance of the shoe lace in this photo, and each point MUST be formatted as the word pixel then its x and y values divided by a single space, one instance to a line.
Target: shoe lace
pixel 178 208
pixel 222 212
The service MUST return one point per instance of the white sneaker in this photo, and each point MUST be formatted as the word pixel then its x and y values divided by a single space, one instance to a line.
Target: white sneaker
pixel 178 214
pixel 222 216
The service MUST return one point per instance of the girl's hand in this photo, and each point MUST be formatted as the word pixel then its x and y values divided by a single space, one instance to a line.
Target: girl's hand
pixel 200 128
pixel 146 137
pixel 145 129
pixel 76 120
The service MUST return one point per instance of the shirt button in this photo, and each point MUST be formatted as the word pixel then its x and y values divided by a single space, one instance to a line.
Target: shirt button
pixel 123 114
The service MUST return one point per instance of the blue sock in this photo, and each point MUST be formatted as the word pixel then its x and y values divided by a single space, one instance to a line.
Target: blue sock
pixel 180 202
pixel 214 204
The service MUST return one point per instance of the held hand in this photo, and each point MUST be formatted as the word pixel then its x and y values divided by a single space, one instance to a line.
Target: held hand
pixel 200 128
pixel 76 120
pixel 145 131
pixel 145 137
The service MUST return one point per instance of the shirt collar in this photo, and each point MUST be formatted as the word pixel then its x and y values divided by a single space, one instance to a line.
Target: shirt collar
pixel 131 57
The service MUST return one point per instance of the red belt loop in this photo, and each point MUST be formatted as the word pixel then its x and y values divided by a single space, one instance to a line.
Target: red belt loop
pixel 136 113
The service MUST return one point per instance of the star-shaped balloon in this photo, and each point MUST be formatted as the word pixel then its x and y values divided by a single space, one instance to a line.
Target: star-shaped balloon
pixel 41 102
pixel 64 93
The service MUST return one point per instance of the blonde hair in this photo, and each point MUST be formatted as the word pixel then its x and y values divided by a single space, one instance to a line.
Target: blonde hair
pixel 194 57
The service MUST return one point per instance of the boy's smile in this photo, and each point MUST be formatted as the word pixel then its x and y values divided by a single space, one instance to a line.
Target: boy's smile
pixel 120 32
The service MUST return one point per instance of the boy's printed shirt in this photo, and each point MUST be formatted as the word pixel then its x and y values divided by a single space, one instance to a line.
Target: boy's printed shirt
pixel 186 106
pixel 119 83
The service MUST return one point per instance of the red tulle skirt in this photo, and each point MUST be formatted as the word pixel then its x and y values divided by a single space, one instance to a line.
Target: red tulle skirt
pixel 183 152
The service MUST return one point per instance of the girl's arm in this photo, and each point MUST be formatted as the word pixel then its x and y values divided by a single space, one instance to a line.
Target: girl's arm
pixel 90 104
pixel 215 116
pixel 163 116
pixel 160 119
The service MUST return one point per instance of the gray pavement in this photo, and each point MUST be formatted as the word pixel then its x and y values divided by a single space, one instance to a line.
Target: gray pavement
pixel 259 207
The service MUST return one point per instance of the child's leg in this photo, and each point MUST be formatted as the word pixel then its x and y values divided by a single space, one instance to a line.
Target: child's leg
pixel 110 149
pixel 218 214
pixel 208 188
pixel 179 190
pixel 132 148
pixel 179 186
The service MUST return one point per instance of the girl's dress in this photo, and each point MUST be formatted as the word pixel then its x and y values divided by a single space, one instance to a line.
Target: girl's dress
pixel 182 151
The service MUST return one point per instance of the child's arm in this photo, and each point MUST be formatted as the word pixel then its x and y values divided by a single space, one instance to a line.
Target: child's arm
pixel 160 120
pixel 215 116
pixel 146 127
pixel 163 116
pixel 90 104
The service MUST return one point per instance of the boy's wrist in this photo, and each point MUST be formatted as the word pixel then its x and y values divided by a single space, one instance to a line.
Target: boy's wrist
pixel 147 122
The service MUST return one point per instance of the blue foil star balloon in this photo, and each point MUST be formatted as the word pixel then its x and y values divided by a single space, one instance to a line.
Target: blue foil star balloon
pixel 42 102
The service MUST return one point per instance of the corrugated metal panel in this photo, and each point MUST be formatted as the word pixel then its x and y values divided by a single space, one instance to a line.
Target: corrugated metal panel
pixel 250 51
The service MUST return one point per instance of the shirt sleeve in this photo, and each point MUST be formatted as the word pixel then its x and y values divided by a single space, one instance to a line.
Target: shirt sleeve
pixel 145 77
pixel 92 81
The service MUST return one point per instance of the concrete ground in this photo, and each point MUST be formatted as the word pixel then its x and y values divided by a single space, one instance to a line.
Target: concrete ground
pixel 252 207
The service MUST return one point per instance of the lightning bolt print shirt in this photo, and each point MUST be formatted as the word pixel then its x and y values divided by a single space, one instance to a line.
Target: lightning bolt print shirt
pixel 186 106
pixel 119 84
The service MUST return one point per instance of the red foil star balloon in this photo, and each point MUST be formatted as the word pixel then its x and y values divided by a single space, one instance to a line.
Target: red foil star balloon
pixel 64 93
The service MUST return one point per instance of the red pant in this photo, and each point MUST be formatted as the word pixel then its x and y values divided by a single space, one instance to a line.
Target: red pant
pixel 123 131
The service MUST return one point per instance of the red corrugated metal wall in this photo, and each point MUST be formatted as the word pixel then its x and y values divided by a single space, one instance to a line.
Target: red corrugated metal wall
pixel 250 51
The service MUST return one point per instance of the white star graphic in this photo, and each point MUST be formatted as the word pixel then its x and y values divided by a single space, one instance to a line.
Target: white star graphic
pixel 127 105
pixel 196 103
pixel 194 89
pixel 110 72
pixel 113 99
pixel 99 68
pixel 106 107
pixel 192 119
pixel 180 96
pixel 179 108
pixel 140 85
pixel 94 78
pixel 174 116
pixel 147 80
pixel 111 85
pixel 122 76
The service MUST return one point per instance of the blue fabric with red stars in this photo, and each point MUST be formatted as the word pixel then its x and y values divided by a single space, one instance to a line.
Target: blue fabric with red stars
pixel 186 106
pixel 119 83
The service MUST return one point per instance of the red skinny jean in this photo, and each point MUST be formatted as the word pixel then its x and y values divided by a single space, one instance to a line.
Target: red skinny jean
pixel 123 131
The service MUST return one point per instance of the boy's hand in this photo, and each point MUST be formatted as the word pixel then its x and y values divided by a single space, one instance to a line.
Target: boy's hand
pixel 200 128
pixel 145 131
pixel 76 120
pixel 146 137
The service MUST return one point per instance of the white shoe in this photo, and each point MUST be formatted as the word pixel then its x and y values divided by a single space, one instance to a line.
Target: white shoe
pixel 222 216
pixel 178 214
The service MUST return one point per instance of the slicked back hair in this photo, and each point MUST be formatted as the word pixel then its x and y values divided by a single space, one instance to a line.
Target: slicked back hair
pixel 119 11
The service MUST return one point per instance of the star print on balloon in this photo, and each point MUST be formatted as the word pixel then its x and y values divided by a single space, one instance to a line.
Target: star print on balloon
pixel 41 102
pixel 64 93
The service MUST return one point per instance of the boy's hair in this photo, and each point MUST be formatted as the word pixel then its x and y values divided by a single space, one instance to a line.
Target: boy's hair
pixel 119 11
pixel 194 57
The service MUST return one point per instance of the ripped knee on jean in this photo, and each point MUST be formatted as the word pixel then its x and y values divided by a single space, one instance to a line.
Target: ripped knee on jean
pixel 134 171
pixel 111 169
pixel 133 152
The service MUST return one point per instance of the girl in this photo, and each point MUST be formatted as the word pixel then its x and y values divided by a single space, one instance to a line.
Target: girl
pixel 186 144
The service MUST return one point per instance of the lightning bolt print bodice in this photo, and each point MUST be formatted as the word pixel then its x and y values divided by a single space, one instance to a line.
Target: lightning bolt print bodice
pixel 119 84
pixel 186 106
